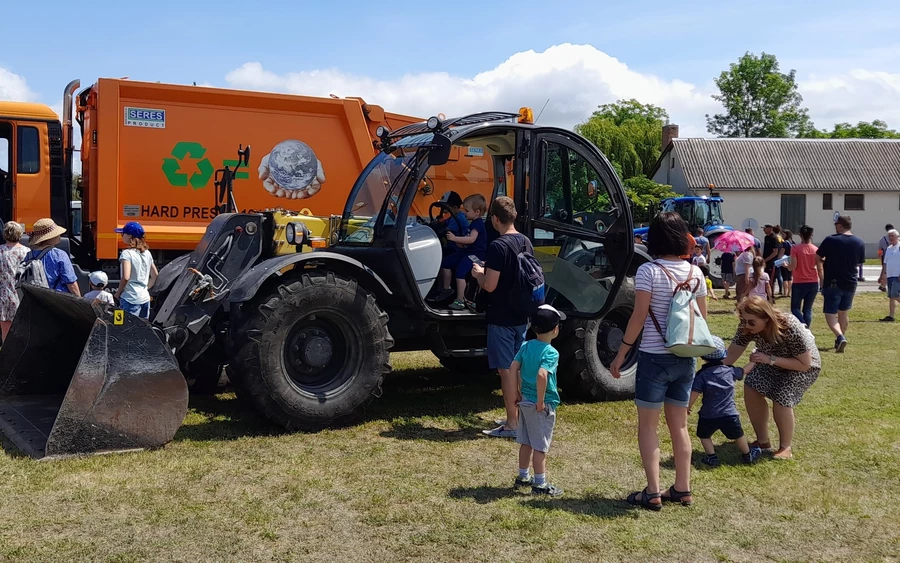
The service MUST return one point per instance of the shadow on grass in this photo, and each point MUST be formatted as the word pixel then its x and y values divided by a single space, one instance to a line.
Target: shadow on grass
pixel 484 494
pixel 407 394
pixel 591 505
pixel 729 454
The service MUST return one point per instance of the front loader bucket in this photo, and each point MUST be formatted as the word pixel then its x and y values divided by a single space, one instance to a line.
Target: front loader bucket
pixel 76 378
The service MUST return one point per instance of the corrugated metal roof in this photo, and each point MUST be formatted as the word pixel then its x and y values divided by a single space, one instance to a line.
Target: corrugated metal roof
pixel 790 164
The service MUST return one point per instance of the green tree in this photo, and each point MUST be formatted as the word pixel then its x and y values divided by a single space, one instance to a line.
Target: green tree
pixel 863 130
pixel 645 194
pixel 629 133
pixel 759 100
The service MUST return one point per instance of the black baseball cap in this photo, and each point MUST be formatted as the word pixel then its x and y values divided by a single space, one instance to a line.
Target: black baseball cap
pixel 452 199
pixel 546 319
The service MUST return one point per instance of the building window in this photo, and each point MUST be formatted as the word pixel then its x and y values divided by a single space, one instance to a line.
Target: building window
pixel 854 202
pixel 826 201
pixel 673 162
pixel 29 151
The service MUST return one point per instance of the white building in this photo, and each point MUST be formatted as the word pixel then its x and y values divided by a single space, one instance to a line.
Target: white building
pixel 790 182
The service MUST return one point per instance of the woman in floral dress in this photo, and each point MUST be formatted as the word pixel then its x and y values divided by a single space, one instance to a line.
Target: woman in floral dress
pixel 11 255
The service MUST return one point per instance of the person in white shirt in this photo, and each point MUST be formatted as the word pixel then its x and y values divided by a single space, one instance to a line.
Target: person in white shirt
pixel 890 273
pixel 743 267
pixel 698 259
pixel 99 280
pixel 138 272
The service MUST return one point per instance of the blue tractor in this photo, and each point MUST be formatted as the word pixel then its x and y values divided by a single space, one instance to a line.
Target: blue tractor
pixel 700 212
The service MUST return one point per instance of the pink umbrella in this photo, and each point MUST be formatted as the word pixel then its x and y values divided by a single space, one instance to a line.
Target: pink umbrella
pixel 733 241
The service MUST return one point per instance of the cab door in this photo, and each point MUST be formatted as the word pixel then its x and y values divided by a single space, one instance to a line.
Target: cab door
pixel 7 170
pixel 580 223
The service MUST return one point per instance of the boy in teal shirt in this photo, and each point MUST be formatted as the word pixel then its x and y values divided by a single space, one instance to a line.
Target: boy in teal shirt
pixel 536 364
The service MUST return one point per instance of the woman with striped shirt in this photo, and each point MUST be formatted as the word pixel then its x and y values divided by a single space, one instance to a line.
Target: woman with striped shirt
pixel 662 377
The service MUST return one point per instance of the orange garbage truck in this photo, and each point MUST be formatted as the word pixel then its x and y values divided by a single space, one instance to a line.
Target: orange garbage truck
pixel 150 152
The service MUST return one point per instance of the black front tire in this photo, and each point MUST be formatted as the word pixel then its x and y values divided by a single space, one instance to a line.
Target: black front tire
pixel 588 348
pixel 350 352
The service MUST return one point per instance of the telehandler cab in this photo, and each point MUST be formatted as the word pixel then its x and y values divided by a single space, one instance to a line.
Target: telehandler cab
pixel 306 336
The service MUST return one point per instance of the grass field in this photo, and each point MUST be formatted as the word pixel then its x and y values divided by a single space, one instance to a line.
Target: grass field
pixel 417 481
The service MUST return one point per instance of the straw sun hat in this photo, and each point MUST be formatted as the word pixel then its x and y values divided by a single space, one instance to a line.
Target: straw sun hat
pixel 44 230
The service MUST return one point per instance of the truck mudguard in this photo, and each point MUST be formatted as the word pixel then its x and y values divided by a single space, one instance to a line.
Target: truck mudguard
pixel 245 288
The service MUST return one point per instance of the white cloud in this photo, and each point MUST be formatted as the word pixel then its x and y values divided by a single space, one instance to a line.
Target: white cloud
pixel 13 87
pixel 852 96
pixel 576 79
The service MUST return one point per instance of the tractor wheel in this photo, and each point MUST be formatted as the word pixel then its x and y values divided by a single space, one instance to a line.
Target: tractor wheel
pixel 466 366
pixel 715 270
pixel 590 347
pixel 313 353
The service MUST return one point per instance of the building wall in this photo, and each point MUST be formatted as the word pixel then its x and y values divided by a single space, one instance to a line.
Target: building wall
pixel 765 207
pixel 674 177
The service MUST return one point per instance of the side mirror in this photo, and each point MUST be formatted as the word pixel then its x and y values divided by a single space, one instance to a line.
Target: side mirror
pixel 440 154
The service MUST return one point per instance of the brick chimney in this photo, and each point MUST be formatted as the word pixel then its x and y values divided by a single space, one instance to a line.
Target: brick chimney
pixel 669 132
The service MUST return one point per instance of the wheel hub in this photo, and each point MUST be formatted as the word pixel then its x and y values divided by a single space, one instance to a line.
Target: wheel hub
pixel 318 351
pixel 610 338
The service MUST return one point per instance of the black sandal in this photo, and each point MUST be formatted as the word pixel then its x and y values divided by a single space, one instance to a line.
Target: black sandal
pixel 685 498
pixel 645 500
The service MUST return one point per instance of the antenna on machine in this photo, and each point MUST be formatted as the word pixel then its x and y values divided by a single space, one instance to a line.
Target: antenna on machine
pixel 542 110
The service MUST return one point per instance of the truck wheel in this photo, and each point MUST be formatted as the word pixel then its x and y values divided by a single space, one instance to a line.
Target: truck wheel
pixel 313 353
pixel 589 349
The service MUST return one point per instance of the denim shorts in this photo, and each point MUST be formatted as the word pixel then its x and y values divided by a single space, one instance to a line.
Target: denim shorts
pixel 503 343
pixel 663 378
pixel 729 425
pixel 893 288
pixel 837 299
pixel 142 311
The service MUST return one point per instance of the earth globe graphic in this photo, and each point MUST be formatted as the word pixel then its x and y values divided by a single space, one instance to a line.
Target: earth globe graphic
pixel 293 164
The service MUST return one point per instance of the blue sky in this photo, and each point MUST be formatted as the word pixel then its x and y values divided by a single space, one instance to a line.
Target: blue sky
pixel 377 44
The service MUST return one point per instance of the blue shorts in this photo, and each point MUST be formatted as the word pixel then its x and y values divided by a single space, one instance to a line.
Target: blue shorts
pixel 142 311
pixel 503 343
pixel 459 263
pixel 837 299
pixel 893 288
pixel 663 378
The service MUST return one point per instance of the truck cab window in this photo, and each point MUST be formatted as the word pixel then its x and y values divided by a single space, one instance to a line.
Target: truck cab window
pixel 29 151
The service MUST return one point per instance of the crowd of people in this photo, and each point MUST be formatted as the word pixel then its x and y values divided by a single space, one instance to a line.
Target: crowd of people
pixel 783 365
pixel 138 271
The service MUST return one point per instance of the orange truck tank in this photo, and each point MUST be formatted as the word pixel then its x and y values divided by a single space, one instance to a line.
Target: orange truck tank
pixel 150 152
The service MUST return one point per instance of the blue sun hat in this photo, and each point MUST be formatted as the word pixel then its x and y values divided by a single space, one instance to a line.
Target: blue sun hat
pixel 720 351
pixel 132 228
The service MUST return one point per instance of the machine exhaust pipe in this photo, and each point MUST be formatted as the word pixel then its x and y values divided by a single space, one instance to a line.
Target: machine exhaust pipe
pixel 78 378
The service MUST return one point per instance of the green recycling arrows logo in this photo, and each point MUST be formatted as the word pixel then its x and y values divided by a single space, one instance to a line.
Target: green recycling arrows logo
pixel 171 167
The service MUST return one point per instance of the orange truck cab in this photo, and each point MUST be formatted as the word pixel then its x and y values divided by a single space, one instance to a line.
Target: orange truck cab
pixel 150 152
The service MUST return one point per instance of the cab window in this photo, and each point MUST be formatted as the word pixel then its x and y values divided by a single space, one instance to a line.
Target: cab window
pixel 574 192
pixel 29 151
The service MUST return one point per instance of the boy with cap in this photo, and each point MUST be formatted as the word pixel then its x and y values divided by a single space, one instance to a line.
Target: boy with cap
pixel 535 366
pixel 99 280
pixel 715 381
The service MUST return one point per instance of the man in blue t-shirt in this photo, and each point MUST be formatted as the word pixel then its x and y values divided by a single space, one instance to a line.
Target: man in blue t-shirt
pixel 702 242
pixel 840 254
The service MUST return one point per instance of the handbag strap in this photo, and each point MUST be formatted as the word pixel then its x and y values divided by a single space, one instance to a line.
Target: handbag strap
pixel 679 286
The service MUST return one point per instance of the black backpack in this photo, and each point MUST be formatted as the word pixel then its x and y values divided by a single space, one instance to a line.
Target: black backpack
pixel 528 291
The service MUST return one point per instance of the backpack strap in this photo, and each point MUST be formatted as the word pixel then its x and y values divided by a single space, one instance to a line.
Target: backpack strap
pixel 679 286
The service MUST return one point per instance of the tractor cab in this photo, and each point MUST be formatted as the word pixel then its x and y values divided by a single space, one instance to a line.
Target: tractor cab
pixel 699 212
pixel 569 202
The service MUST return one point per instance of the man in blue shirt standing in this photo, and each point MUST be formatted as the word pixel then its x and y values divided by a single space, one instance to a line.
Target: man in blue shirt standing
pixel 702 242
pixel 840 255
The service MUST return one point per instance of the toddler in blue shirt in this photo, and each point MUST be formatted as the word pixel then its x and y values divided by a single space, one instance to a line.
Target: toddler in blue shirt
pixel 715 381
